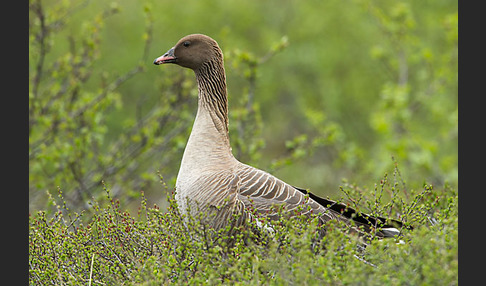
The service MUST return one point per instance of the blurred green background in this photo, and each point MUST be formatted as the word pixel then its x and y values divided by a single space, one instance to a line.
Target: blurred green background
pixel 319 92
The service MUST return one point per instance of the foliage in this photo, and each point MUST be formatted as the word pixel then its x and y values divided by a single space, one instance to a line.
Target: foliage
pixel 420 81
pixel 105 245
pixel 68 128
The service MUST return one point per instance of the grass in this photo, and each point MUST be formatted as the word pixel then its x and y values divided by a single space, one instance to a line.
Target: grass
pixel 105 245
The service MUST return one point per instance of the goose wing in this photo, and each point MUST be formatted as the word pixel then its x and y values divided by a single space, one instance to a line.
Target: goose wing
pixel 265 193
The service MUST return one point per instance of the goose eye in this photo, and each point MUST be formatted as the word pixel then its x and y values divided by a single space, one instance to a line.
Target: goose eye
pixel 186 44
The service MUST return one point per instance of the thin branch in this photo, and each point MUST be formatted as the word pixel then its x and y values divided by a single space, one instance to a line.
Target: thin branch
pixel 41 36
pixel 91 270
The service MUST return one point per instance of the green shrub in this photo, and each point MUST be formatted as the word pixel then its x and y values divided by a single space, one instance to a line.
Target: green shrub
pixel 108 246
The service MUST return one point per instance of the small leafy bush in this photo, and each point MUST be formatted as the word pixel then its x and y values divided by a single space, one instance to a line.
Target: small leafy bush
pixel 105 245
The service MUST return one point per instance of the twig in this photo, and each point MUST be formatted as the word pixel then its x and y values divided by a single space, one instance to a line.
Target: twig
pixel 363 260
pixel 91 270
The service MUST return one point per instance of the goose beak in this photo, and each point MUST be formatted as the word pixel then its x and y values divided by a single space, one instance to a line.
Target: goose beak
pixel 166 58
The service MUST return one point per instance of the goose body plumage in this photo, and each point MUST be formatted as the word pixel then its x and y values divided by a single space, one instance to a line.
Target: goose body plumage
pixel 212 180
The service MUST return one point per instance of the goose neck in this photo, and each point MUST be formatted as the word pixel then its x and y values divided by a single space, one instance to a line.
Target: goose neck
pixel 212 93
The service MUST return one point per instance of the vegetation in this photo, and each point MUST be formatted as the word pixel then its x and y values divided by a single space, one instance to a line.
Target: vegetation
pixel 364 87
pixel 158 248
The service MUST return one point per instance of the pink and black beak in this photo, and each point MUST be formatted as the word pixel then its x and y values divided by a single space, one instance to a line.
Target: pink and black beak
pixel 166 58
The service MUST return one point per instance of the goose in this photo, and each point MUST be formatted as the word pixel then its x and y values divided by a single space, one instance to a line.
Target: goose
pixel 212 180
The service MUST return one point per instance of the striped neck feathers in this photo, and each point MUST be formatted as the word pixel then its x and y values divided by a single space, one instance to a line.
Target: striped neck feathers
pixel 212 93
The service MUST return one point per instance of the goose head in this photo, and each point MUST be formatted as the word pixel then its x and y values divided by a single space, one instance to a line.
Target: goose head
pixel 192 51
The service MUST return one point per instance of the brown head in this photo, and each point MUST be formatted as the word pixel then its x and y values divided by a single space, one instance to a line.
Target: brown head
pixel 192 51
